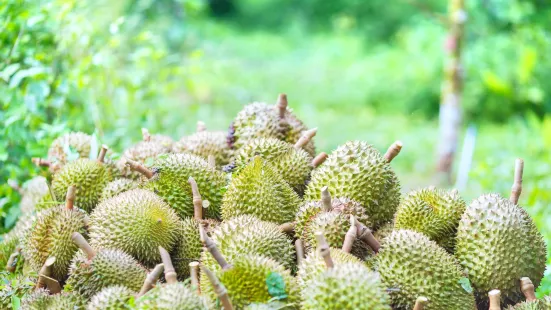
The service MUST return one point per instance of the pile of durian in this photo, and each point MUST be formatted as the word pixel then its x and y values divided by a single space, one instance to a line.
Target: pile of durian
pixel 255 219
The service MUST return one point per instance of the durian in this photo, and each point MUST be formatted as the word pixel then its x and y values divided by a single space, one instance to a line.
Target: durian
pixel 111 298
pixel 314 264
pixel 118 186
pixel 384 231
pixel 531 303
pixel 39 299
pixel 77 141
pixel 204 143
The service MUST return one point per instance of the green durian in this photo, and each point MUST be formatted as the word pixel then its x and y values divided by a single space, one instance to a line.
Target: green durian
pixel 540 304
pixel 38 299
pixel 313 265
pixel 412 265
pixel 345 286
pixel 294 165
pixel 64 301
pixel 433 212
pixel 260 191
pixel 118 186
pixel 204 143
pixel 384 231
pixel 358 171
pixel 176 296
pixel 111 298
pixel 136 221
pixel 497 243
pixel 144 152
pixel 77 141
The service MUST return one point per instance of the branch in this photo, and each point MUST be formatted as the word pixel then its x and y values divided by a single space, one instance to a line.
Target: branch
pixel 219 289
pixel 305 138
pixel 350 236
pixel 319 159
pixel 136 166
pixel 326 199
pixel 170 273
pixel 323 249
pixel 102 153
pixel 393 151
pixel 281 105
pixel 151 279
pixel 70 198
pixel 194 272
pixel 197 200
pixel 366 236
pixel 420 303
pixel 299 247
pixel 46 270
pixel 287 227
pixel 213 250
pixel 527 288
pixel 516 190
pixel 495 300
pixel 79 240
pixel 12 260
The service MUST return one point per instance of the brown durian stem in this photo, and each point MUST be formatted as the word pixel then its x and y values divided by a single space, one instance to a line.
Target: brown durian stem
pixel 151 279
pixel 319 159
pixel 299 247
pixel 51 284
pixel 393 151
pixel 326 199
pixel 102 153
pixel 12 261
pixel 305 138
pixel 288 228
pixel 350 236
pixel 281 105
pixel 79 240
pixel 194 272
pixel 45 270
pixel 516 190
pixel 527 288
pixel 70 198
pixel 495 299
pixel 41 162
pixel 197 200
pixel 219 289
pixel 13 184
pixel 213 249
pixel 323 249
pixel 211 160
pixel 170 274
pixel 145 135
pixel 366 236
pixel 201 126
pixel 420 303
pixel 136 166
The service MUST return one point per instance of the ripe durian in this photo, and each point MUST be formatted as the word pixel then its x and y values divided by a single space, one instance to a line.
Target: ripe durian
pixel 314 264
pixel 137 222
pixel 50 236
pixel 118 186
pixel 260 191
pixel 93 270
pixel 433 212
pixel 346 286
pixel 260 120
pixel 293 164
pixel 358 171
pixel 204 143
pixel 89 176
pixel 78 141
pixel 412 265
pixel 112 297
pixel 168 178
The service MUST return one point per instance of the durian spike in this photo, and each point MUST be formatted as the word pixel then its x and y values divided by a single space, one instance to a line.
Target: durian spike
pixel 527 288
pixel 145 135
pixel 393 151
pixel 211 161
pixel 350 236
pixel 102 153
pixel 365 234
pixel 219 289
pixel 201 126
pixel 299 247
pixel 151 279
pixel 41 162
pixel 70 198
pixel 323 249
pixel 326 199
pixel 194 272
pixel 495 299
pixel 319 159
pixel 281 105
pixel 305 138
pixel 420 303
pixel 197 200
pixel 12 260
pixel 516 190
pixel 79 240
pixel 45 270
pixel 136 166
pixel 213 250
pixel 288 228
pixel 170 273
pixel 13 184
pixel 51 284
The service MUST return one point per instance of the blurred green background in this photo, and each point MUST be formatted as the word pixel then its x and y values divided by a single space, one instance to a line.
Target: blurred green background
pixel 369 70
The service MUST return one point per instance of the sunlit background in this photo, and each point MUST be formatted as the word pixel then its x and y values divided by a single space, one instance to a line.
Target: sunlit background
pixel 368 70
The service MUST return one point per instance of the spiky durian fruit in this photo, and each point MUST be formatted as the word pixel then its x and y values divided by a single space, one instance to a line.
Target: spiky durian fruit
pixel 144 152
pixel 38 299
pixel 78 141
pixel 384 231
pixel 497 244
pixel 345 286
pixel 358 171
pixel 64 301
pixel 169 180
pixel 433 212
pixel 540 304
pixel 247 234
pixel 171 297
pixel 137 222
pixel 294 165
pixel 111 298
pixel 260 191
pixel 253 279
pixel 314 264
pixel 412 265
pixel 204 143
pixel 118 186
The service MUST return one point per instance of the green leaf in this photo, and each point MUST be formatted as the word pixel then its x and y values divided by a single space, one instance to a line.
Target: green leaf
pixel 94 147
pixel 15 302
pixel 9 71
pixel 276 285
pixel 466 284
pixel 21 74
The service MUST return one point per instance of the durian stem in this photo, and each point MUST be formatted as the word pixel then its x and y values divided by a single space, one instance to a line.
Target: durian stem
pixel 136 166
pixel 102 153
pixel 323 249
pixel 393 151
pixel 299 247
pixel 145 135
pixel 305 138
pixel 527 288
pixel 211 161
pixel 281 105
pixel 516 190
pixel 45 270
pixel 420 303
pixel 151 279
pixel 194 272
pixel 288 228
pixel 219 289
pixel 13 184
pixel 326 199
pixel 41 162
pixel 495 299
pixel 350 236
pixel 70 198
pixel 319 159
pixel 170 274
pixel 79 240
pixel 366 236
pixel 51 284
pixel 12 261
pixel 197 200
pixel 213 249
pixel 201 126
